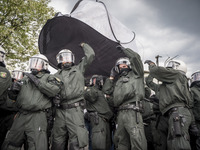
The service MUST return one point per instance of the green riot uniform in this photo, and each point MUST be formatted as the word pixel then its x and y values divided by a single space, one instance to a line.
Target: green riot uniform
pixel 195 91
pixel 160 129
pixel 174 101
pixel 100 115
pixel 31 123
pixel 69 119
pixel 148 119
pixel 5 82
pixel 127 92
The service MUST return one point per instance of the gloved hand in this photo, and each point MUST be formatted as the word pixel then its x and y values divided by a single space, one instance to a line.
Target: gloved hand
pixel 119 47
pixel 16 86
pixel 56 101
pixel 81 44
pixel 149 62
pixel 113 72
pixel 33 79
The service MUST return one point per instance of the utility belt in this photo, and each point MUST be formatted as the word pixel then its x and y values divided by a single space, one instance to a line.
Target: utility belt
pixel 74 105
pixel 29 111
pixel 136 106
pixel 132 106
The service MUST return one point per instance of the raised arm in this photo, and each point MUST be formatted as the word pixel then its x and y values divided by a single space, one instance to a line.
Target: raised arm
pixel 88 58
pixel 135 60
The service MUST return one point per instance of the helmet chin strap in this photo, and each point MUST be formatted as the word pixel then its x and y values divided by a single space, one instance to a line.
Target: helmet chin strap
pixel 34 71
pixel 66 65
pixel 124 70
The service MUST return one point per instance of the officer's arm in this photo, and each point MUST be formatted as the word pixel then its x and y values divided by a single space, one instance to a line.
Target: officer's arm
pixel 136 62
pixel 5 81
pixel 91 94
pixel 108 86
pixel 50 86
pixel 88 58
pixel 152 85
pixel 163 74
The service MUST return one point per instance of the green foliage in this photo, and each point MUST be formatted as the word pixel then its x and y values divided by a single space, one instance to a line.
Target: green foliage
pixel 20 25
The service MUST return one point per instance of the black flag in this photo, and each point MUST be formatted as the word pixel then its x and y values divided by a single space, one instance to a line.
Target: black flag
pixel 68 31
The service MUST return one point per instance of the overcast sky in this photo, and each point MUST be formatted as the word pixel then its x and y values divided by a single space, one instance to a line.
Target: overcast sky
pixel 163 27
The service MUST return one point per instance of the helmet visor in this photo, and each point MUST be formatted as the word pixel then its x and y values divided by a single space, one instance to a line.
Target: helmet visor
pixel 173 64
pixel 17 75
pixel 65 57
pixel 123 61
pixel 195 77
pixel 37 63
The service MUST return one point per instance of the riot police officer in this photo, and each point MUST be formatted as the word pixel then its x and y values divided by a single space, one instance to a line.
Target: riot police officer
pixel 174 101
pixel 33 100
pixel 99 114
pixel 69 117
pixel 126 87
pixel 5 78
pixel 195 91
pixel 5 82
pixel 161 126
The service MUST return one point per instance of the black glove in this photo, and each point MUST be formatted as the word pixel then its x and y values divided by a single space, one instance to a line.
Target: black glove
pixel 119 47
pixel 16 86
pixel 113 72
pixel 14 90
pixel 149 62
pixel 56 101
pixel 33 79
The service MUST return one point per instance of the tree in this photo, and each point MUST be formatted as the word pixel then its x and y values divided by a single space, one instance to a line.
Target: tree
pixel 20 24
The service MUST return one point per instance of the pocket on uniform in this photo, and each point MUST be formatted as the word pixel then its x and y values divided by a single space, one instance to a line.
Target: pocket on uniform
pixel 98 140
pixel 82 135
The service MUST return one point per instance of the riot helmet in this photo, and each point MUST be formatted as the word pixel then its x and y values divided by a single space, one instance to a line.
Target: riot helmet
pixel 195 76
pixel 177 65
pixel 17 74
pixel 65 56
pixel 96 80
pixel 2 55
pixel 38 62
pixel 121 61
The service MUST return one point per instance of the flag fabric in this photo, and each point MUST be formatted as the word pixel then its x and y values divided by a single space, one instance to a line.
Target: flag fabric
pixel 91 23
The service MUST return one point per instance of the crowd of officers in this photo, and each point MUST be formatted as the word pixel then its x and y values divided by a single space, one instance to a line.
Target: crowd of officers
pixel 41 111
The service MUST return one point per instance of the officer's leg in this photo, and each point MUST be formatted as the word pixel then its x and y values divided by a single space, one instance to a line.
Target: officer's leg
pixel 161 132
pixel 15 136
pixel 37 131
pixel 59 131
pixel 121 137
pixel 76 127
pixel 108 136
pixel 88 126
pixel 135 129
pixel 98 133
pixel 178 136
